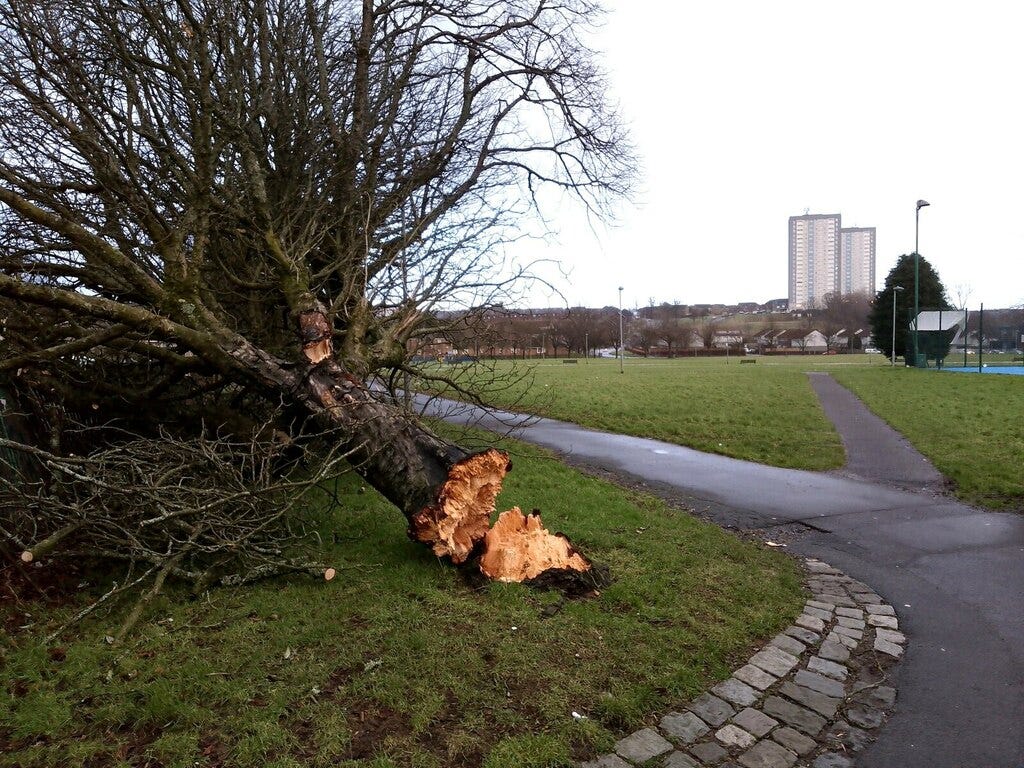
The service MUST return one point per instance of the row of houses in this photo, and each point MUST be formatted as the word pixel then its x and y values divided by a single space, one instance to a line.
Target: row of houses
pixel 802 339
pixel 813 340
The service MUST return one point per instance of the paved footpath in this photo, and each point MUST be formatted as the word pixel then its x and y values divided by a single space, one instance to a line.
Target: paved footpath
pixel 813 697
pixel 954 574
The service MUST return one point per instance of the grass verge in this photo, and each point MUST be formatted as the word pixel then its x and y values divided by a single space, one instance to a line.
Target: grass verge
pixel 968 425
pixel 400 661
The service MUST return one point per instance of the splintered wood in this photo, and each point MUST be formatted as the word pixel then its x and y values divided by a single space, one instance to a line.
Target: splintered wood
pixel 517 548
pixel 462 514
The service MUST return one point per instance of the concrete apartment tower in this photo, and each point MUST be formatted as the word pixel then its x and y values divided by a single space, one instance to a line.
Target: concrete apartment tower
pixel 814 258
pixel 857 260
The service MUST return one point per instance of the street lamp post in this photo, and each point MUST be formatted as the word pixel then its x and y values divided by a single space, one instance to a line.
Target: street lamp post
pixel 917 219
pixel 895 289
pixel 622 351
pixel 586 347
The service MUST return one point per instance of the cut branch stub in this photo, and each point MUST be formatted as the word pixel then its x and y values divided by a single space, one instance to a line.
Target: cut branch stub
pixel 315 332
pixel 461 516
pixel 519 548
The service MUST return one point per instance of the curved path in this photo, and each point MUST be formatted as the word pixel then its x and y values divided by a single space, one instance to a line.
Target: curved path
pixel 954 573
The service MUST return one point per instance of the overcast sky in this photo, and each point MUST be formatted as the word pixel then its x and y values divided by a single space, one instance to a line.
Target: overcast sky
pixel 746 113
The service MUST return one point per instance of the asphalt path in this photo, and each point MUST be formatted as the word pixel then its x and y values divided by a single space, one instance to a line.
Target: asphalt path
pixel 955 574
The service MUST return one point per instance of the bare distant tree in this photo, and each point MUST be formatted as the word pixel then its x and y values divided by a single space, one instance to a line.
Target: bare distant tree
pixel 849 312
pixel 670 330
pixel 961 295
pixel 705 329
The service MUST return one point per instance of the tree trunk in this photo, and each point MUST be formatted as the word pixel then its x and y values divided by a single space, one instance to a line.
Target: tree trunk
pixel 446 493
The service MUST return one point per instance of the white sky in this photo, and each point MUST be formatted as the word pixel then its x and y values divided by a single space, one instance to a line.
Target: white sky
pixel 747 112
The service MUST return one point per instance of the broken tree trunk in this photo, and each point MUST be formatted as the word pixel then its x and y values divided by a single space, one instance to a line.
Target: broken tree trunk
pixel 519 548
pixel 446 493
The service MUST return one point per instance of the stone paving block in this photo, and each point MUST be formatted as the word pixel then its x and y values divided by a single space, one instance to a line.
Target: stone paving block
pixel 884 646
pixel 711 709
pixel 819 702
pixel 606 761
pixel 880 610
pixel 816 566
pixel 853 613
pixel 794 740
pixel 837 600
pixel 788 644
pixel 824 615
pixel 802 634
pixel 683 727
pixel 832 760
pixel 774 660
pixel 846 640
pixel 811 622
pixel 869 676
pixel 709 752
pixel 867 598
pixel 735 692
pixel 819 604
pixel 880 697
pixel 642 745
pixel 834 651
pixel 767 754
pixel 679 760
pixel 890 635
pixel 878 620
pixel 848 621
pixel 856 634
pixel 848 736
pixel 865 717
pixel 751 675
pixel 734 737
pixel 827 667
pixel 754 721
pixel 817 682
pixel 794 715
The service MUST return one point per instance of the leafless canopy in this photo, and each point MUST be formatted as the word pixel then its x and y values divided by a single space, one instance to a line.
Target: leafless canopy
pixel 189 172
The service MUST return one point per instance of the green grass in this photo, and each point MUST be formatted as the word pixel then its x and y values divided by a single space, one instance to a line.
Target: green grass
pixel 400 661
pixel 970 426
pixel 764 412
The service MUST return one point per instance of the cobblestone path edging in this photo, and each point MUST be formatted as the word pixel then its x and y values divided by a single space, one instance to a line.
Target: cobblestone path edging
pixel 814 696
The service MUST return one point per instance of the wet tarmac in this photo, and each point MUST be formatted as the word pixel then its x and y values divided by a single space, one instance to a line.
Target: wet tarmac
pixel 955 574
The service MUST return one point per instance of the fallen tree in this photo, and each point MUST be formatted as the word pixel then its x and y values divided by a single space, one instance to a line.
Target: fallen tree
pixel 231 207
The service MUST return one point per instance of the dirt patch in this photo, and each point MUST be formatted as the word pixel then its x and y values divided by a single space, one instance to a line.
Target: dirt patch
pixel 435 737
pixel 370 724
pixel 213 750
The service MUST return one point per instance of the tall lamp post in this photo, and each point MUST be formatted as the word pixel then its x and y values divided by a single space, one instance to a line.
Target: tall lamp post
pixel 622 351
pixel 917 227
pixel 895 289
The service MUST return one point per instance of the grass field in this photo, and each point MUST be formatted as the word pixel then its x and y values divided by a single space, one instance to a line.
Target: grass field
pixel 400 661
pixel 764 412
pixel 970 426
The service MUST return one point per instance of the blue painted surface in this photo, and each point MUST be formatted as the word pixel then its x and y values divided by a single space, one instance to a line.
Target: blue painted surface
pixel 1016 370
